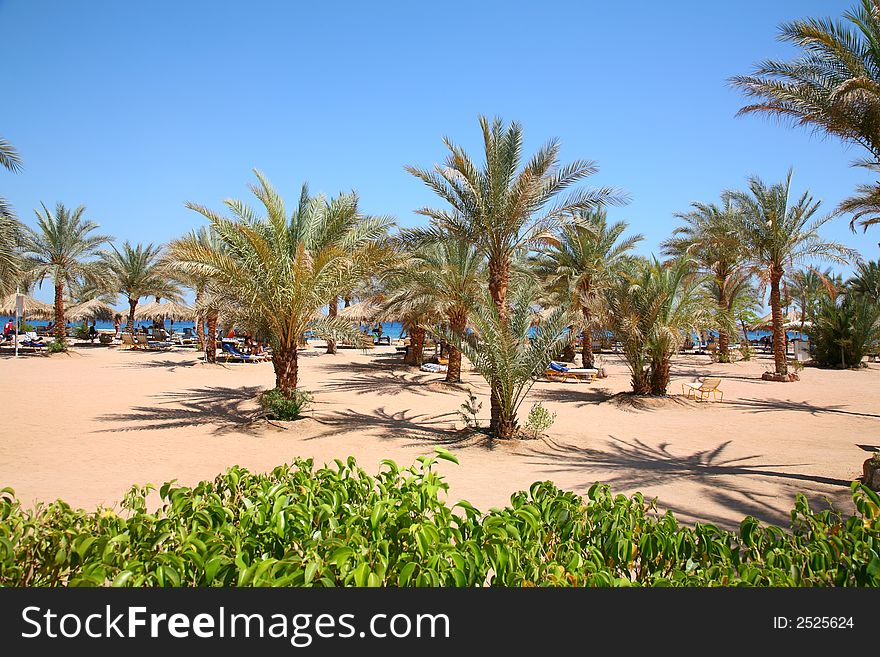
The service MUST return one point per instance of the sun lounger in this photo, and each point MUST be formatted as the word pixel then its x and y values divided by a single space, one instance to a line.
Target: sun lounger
pixel 705 388
pixel 231 352
pixel 433 367
pixel 555 371
pixel 128 341
pixel 146 343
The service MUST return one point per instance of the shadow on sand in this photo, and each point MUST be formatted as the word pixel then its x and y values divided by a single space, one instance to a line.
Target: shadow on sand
pixel 631 465
pixel 228 410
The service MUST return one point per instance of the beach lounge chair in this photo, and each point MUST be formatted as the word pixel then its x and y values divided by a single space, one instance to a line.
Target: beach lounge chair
pixel 705 388
pixel 146 343
pixel 31 341
pixel 128 341
pixel 556 371
pixel 231 352
pixel 433 367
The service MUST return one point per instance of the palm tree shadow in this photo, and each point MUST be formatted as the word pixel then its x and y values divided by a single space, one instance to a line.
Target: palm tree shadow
pixel 168 364
pixel 764 405
pixel 635 464
pixel 419 429
pixel 228 410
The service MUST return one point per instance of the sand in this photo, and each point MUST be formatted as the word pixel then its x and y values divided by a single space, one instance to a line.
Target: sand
pixel 87 425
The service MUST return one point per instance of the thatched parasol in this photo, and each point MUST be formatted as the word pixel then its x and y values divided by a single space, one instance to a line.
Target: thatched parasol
pixel 168 310
pixel 363 311
pixel 94 309
pixel 32 308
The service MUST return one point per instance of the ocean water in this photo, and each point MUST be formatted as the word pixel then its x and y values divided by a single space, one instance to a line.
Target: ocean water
pixel 394 329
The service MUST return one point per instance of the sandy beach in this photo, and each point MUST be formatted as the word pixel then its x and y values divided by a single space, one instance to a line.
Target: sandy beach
pixel 86 425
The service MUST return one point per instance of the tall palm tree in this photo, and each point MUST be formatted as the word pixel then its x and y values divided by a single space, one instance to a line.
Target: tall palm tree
pixel 833 87
pixel 779 233
pixel 652 306
pixel 275 273
pixel 343 226
pixel 10 228
pixel 709 238
pixel 865 281
pixel 807 287
pixel 63 248
pixel 501 208
pixel 509 351
pixel 137 272
pixel 207 312
pixel 446 277
pixel 583 258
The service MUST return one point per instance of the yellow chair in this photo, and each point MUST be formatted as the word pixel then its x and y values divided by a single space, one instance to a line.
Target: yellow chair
pixel 707 387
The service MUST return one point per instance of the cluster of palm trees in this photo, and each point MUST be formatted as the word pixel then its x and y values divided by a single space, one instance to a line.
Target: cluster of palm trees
pixel 505 243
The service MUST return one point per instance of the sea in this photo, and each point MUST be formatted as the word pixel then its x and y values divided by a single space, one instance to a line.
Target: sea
pixel 394 329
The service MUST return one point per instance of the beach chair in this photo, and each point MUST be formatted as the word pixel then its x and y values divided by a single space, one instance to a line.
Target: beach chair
pixel 150 345
pixel 231 352
pixel 31 341
pixel 705 388
pixel 128 341
pixel 555 371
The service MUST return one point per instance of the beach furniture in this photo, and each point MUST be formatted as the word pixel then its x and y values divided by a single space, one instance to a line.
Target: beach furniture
pixel 559 372
pixel 146 343
pixel 231 352
pixel 129 341
pixel 433 367
pixel 32 341
pixel 709 386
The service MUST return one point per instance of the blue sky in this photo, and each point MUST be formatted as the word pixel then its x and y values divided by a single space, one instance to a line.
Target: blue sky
pixel 134 108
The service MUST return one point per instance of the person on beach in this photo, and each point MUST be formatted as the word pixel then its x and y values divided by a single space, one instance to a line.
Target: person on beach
pixel 116 323
pixel 8 330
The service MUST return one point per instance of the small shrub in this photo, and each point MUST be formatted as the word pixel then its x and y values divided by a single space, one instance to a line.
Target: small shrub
pixel 279 407
pixel 56 346
pixel 470 411
pixel 338 525
pixel 539 420
pixel 746 351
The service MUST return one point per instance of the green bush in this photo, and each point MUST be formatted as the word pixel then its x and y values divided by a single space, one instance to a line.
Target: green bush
pixel 539 420
pixel 280 407
pixel 844 330
pixel 56 346
pixel 339 526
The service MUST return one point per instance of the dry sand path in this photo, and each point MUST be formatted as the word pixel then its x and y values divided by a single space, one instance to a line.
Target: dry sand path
pixel 85 426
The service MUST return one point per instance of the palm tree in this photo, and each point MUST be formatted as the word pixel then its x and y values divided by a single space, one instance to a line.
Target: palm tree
pixel 807 287
pixel 506 351
pixel 206 299
pixel 651 308
pixel 62 248
pixel 865 282
pixel 709 238
pixel 441 280
pixel 275 273
pixel 503 209
pixel 832 87
pixel 343 226
pixel 136 272
pixel 779 234
pixel 583 258
pixel 10 228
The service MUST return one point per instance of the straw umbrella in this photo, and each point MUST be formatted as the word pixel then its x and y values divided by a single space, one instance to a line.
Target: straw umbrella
pixel 94 309
pixel 170 310
pixel 32 308
pixel 362 311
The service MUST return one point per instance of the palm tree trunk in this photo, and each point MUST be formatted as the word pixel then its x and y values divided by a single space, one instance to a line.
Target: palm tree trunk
pixel 499 282
pixel 416 346
pixel 723 347
pixel 331 343
pixel 587 347
pixel 132 304
pixel 286 365
pixel 505 425
pixel 200 322
pixel 778 330
pixel 660 376
pixel 60 327
pixel 568 352
pixel 457 324
pixel 641 382
pixel 346 302
pixel 211 338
